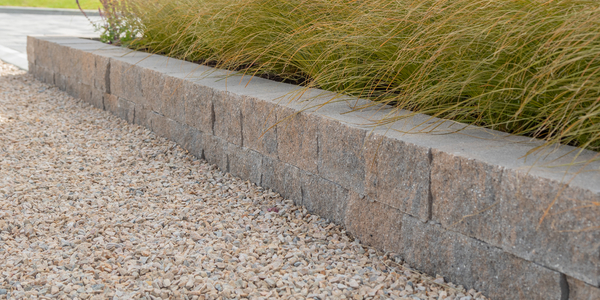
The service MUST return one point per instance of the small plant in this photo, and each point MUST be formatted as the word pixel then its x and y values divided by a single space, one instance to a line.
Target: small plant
pixel 115 26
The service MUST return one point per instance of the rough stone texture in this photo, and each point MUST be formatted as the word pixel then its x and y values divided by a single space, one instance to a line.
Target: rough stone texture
pixel 579 290
pixel 245 163
pixel 259 126
pixel 397 175
pixel 111 103
pixel 376 224
pixel 126 81
pixel 198 103
pixel 567 240
pixel 297 139
pixel 228 116
pixel 324 197
pixel 281 177
pixel 164 94
pixel 430 248
pixel 341 156
pixel 215 151
pixel 125 110
pixel 465 196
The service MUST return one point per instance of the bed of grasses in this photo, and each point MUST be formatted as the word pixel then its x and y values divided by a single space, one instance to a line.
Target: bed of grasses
pixel 528 67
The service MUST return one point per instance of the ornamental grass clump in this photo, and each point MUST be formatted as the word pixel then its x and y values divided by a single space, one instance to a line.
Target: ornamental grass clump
pixel 527 67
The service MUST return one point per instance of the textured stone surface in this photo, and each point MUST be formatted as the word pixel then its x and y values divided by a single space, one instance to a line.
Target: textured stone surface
pixel 259 126
pixel 245 163
pixel 376 224
pixel 199 111
pixel 281 177
pixel 228 116
pixel 465 196
pixel 430 248
pixel 215 151
pixel 126 81
pixel 579 290
pixel 110 103
pixel 567 240
pixel 324 197
pixel 164 94
pixel 397 175
pixel 341 156
pixel 297 139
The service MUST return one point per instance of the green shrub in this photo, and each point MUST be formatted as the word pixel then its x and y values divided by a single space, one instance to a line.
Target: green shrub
pixel 522 66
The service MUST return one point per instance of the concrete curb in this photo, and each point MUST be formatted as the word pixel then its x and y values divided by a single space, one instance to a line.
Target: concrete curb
pixel 46 11
pixel 14 57
pixel 464 205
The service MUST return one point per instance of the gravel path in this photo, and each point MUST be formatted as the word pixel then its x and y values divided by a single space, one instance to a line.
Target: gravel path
pixel 92 207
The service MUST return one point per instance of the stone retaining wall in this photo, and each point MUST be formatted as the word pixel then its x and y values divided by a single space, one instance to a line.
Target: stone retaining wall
pixel 465 205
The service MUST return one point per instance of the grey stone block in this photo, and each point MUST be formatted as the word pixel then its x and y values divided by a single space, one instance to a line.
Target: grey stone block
pixel 125 110
pixel 198 101
pixel 61 81
pixel 567 240
pixel 324 197
pixel 474 264
pixel 579 290
pixel 259 126
pixel 282 178
pixel 227 109
pixel 142 116
pixel 374 223
pixel 215 151
pixel 466 197
pixel 32 44
pixel 92 96
pixel 397 175
pixel 245 163
pixel 111 103
pixel 298 138
pixel 341 157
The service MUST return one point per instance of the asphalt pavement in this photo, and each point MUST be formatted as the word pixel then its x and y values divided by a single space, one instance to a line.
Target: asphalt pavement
pixel 17 23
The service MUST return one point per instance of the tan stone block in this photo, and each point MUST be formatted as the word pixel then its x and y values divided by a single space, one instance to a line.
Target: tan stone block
pixel 111 103
pixel 397 175
pixel 579 290
pixel 430 248
pixel 298 138
pixel 465 196
pixel 374 223
pixel 567 240
pixel 227 109
pixel 341 157
pixel 125 81
pixel 199 111
pixel 259 126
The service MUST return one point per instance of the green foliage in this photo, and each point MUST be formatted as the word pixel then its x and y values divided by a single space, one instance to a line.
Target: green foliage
pixel 117 25
pixel 528 67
